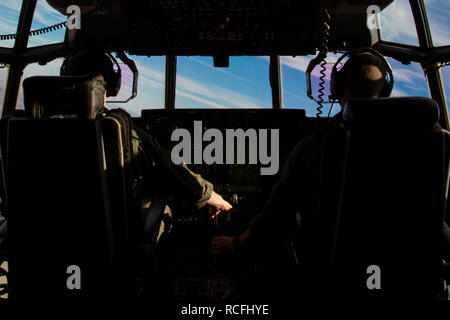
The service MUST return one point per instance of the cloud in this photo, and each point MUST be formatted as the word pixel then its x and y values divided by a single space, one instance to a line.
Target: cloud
pixel 8 25
pixel 407 75
pixel 397 23
pixel 47 15
pixel 299 63
pixel 219 69
pixel 438 12
pixel 198 99
pixel 150 73
pixel 212 95
pixel 396 92
pixel 11 4
pixel 221 95
pixel 44 15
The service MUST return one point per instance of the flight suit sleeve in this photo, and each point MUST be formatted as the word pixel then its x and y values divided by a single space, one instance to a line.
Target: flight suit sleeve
pixel 162 176
pixel 292 193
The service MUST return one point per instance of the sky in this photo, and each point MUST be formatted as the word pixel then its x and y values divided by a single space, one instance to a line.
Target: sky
pixel 245 84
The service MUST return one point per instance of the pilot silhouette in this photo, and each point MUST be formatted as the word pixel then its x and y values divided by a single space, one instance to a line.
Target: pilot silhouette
pixel 153 170
pixel 363 76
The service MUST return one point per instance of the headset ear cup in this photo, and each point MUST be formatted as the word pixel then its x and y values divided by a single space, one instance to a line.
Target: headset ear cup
pixel 337 83
pixel 118 81
pixel 333 85
pixel 113 87
pixel 115 79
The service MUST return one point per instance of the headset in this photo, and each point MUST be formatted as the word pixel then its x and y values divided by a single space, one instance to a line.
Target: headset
pixel 113 78
pixel 338 78
pixel 115 81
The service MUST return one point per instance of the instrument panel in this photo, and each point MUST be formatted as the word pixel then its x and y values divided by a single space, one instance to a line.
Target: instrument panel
pixel 192 272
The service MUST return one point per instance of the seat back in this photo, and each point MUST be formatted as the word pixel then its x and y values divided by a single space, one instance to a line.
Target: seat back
pixel 391 202
pixel 82 97
pixel 58 210
pixel 67 191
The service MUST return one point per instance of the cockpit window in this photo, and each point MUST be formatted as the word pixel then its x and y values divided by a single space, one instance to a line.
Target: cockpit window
pixel 10 11
pixel 45 16
pixel 397 23
pixel 244 84
pixel 438 12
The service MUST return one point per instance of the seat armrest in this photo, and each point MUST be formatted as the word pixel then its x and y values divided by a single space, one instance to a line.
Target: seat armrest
pixel 153 217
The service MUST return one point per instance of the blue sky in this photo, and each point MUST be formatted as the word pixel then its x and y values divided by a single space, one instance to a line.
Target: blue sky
pixel 245 84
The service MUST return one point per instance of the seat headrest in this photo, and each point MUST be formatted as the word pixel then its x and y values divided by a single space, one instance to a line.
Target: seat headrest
pixel 401 112
pixel 52 96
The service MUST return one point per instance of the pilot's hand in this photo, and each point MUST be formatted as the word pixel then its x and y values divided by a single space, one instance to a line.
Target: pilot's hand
pixel 217 204
pixel 222 245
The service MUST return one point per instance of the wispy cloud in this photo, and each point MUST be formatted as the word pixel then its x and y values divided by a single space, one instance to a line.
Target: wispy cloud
pixel 438 12
pixel 209 94
pixel 407 75
pixel 44 15
pixel 299 63
pixel 222 96
pixel 396 92
pixel 198 99
pixel 397 23
pixel 14 5
pixel 47 15
pixel 8 25
pixel 219 69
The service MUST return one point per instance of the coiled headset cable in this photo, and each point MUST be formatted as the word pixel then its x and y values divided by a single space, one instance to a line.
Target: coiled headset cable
pixel 323 52
pixel 48 29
